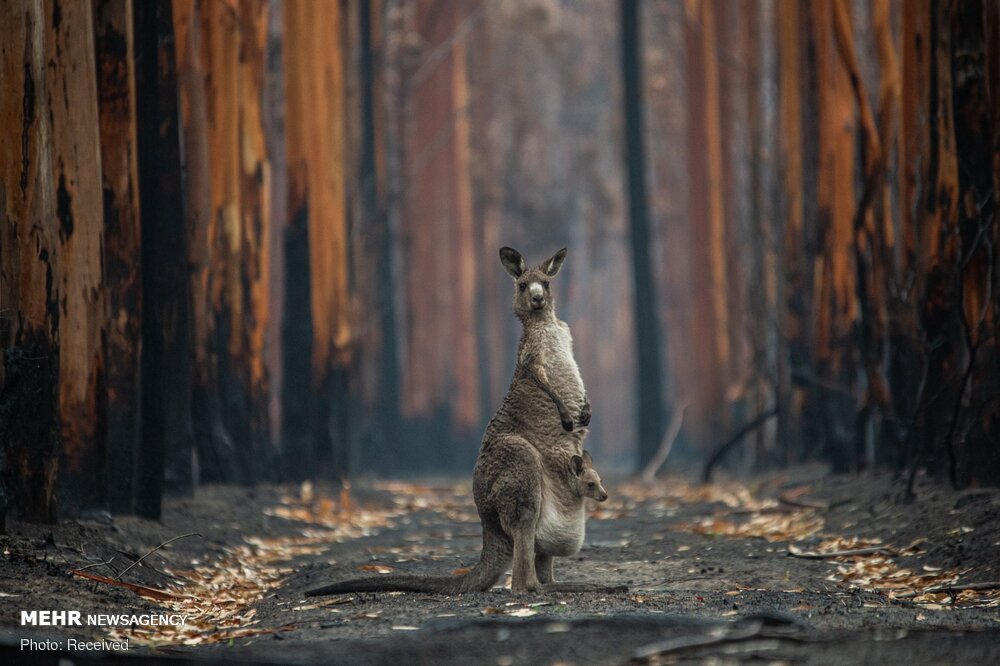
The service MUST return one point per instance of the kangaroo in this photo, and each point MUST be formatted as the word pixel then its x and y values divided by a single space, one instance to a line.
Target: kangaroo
pixel 532 473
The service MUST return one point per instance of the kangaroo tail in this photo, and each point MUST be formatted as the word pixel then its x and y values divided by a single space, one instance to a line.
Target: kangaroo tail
pixel 492 563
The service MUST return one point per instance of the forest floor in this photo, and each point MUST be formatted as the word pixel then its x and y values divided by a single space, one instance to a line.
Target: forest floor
pixel 708 569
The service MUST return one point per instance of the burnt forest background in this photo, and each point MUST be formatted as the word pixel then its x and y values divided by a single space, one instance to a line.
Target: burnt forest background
pixel 256 240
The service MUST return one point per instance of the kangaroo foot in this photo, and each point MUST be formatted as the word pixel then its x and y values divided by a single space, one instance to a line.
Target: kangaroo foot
pixel 528 588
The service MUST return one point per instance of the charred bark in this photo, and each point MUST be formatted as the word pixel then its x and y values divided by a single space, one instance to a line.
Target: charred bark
pixel 71 88
pixel 649 369
pixel 116 97
pixel 166 366
pixel 29 264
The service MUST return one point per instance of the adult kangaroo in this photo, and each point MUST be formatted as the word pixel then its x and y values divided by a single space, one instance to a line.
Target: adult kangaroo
pixel 532 473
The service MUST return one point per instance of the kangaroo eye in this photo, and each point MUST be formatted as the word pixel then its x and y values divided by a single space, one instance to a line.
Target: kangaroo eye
pixel 591 484
pixel 545 283
pixel 523 286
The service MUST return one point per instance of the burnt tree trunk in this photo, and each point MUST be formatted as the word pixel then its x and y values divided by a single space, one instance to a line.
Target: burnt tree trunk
pixel 29 264
pixel 166 364
pixel 114 41
pixel 649 367
pixel 71 88
pixel 382 424
pixel 255 187
pixel 970 440
pixel 215 448
pixel 315 406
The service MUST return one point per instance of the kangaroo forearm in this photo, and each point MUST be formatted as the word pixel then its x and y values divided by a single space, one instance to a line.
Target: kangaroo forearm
pixel 549 391
pixel 537 376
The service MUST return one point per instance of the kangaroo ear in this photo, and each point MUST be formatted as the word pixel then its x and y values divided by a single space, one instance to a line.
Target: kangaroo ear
pixel 512 261
pixel 552 266
pixel 587 460
pixel 577 463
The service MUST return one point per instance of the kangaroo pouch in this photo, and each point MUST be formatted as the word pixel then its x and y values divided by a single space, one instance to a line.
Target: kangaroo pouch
pixel 560 528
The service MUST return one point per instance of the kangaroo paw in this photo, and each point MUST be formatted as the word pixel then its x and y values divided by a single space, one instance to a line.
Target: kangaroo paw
pixel 567 423
pixel 584 416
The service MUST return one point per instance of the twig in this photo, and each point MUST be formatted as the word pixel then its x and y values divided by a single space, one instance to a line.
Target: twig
pixel 168 541
pixel 97 564
pixel 954 587
pixel 795 551
pixel 667 444
pixel 141 590
pixel 761 419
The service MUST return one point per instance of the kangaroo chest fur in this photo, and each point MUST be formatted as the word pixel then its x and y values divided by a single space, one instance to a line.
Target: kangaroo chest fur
pixel 556 344
pixel 551 343
pixel 561 525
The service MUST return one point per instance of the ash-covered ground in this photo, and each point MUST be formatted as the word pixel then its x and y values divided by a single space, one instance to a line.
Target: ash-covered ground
pixel 708 570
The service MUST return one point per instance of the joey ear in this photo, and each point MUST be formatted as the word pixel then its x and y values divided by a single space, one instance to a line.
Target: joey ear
pixel 552 266
pixel 512 261
pixel 577 463
pixel 587 460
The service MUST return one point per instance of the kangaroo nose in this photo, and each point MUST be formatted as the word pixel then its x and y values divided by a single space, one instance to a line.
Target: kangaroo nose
pixel 536 299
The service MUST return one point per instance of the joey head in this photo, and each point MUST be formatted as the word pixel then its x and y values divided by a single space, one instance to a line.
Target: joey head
pixel 588 481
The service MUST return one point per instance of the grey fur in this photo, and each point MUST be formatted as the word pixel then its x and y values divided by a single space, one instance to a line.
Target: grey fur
pixel 532 474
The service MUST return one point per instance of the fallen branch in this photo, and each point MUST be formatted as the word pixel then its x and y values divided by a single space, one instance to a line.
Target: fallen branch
pixel 954 587
pixel 795 551
pixel 168 541
pixel 141 590
pixel 667 444
pixel 706 475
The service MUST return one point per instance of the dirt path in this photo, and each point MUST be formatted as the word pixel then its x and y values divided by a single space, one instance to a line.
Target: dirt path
pixel 708 571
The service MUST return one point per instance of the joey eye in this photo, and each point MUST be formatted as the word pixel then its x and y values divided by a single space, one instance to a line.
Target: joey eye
pixel 590 484
pixel 523 286
pixel 545 283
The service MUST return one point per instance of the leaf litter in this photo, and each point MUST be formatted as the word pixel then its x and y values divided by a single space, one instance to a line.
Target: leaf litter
pixel 795 521
pixel 217 597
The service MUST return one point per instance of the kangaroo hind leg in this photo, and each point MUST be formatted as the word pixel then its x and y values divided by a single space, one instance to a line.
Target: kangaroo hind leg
pixel 544 568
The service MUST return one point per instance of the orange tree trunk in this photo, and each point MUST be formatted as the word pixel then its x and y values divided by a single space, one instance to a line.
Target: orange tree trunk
pixel 29 264
pixel 114 41
pixel 706 210
pixel 255 224
pixel 315 389
pixel 216 452
pixel 71 87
